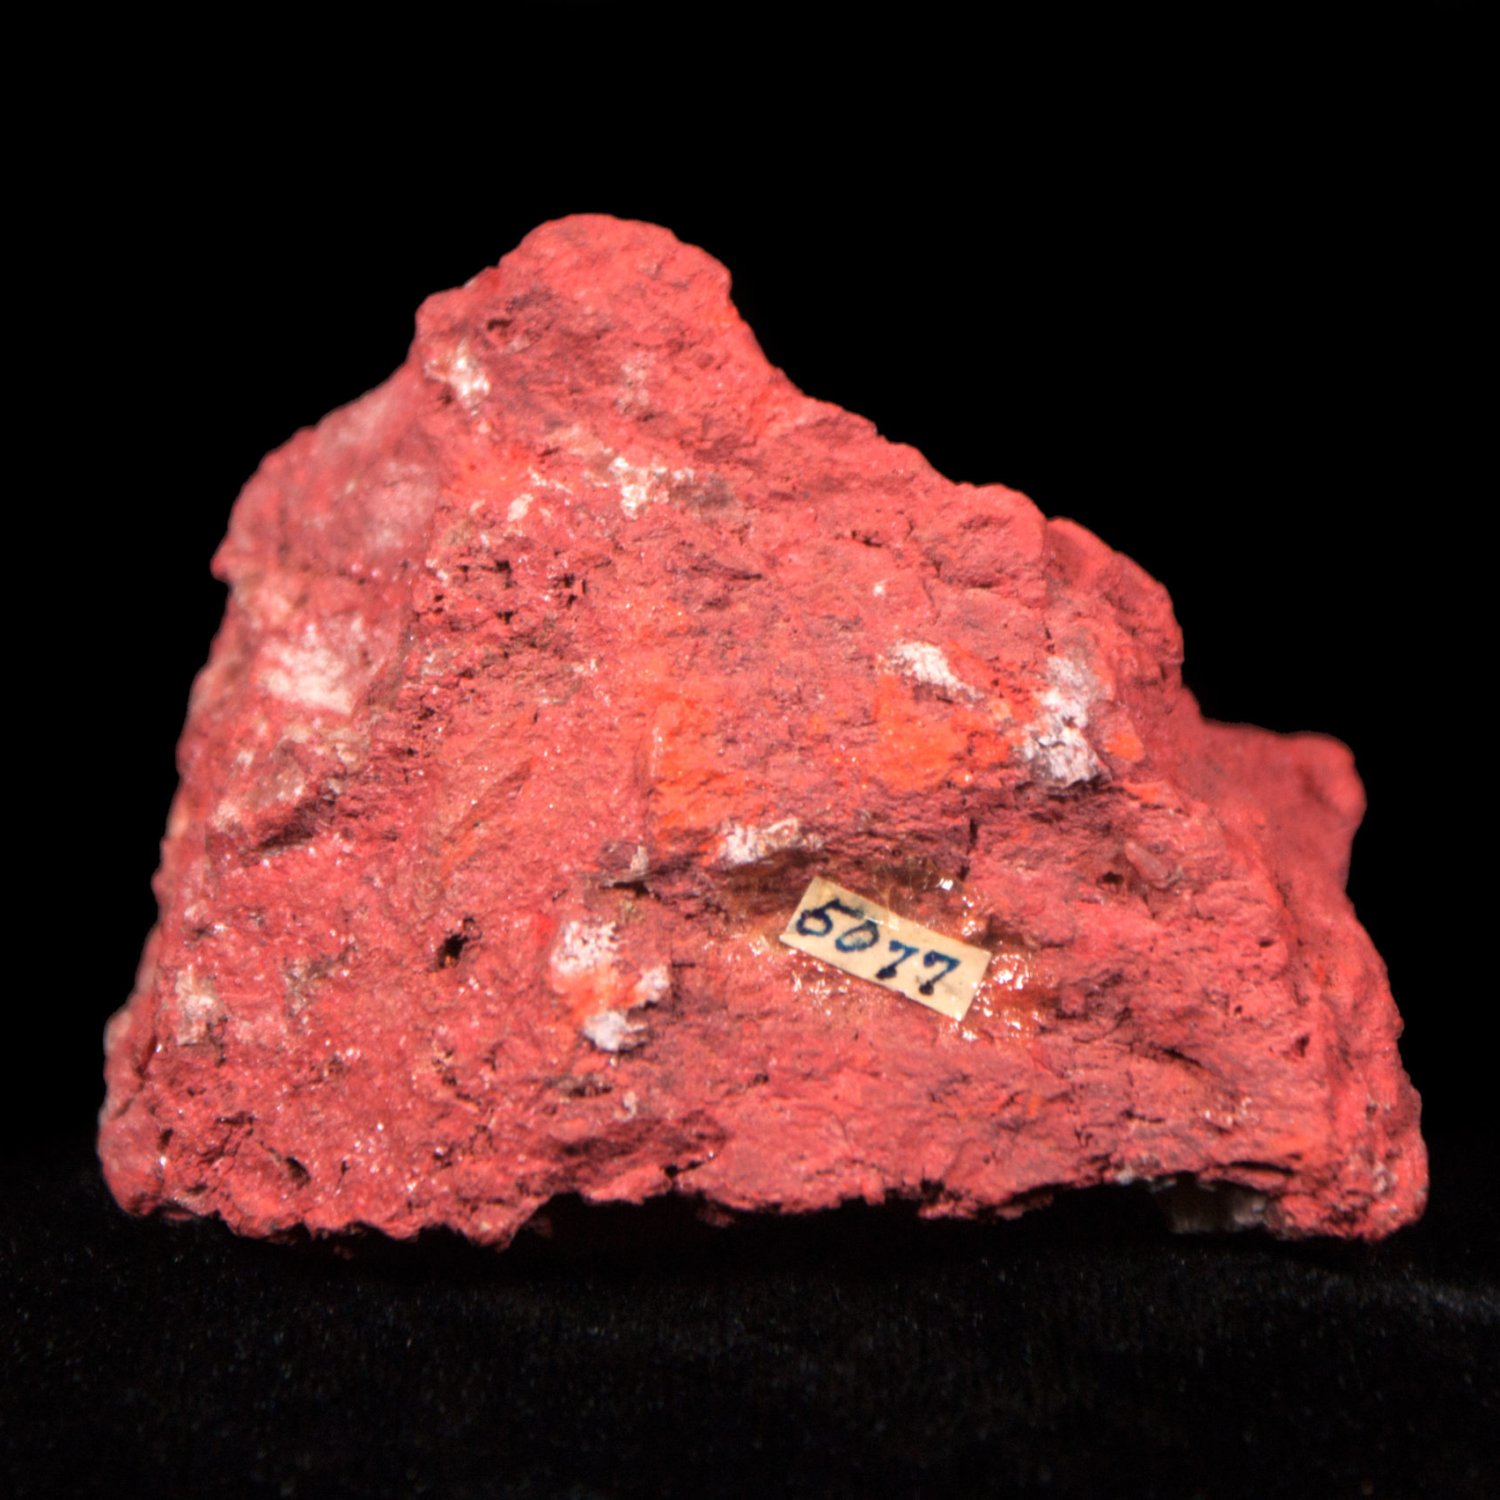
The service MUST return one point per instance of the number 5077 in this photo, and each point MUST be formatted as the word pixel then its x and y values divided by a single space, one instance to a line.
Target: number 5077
pixel 819 922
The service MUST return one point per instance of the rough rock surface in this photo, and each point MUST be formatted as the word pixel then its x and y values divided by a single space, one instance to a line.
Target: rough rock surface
pixel 555 668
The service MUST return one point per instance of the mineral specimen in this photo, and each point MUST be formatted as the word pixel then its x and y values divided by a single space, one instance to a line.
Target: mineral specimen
pixel 557 668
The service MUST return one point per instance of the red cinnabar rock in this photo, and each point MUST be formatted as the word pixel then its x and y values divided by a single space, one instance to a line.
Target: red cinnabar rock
pixel 556 668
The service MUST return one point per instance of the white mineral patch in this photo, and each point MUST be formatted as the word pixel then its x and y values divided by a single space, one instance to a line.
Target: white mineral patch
pixel 517 510
pixel 926 664
pixel 582 946
pixel 654 985
pixel 633 395
pixel 463 375
pixel 744 844
pixel 309 671
pixel 1057 747
pixel 613 1031
pixel 197 1008
pixel 640 484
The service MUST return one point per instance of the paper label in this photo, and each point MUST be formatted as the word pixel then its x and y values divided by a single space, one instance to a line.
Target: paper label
pixel 863 939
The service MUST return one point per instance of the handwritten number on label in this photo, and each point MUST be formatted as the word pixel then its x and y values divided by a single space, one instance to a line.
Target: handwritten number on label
pixel 816 922
pixel 864 934
pixel 820 914
pixel 889 971
pixel 934 957
pixel 857 939
pixel 851 932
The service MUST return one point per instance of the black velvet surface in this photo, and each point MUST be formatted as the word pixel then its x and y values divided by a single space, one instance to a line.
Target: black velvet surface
pixel 1081 1351
pixel 1213 288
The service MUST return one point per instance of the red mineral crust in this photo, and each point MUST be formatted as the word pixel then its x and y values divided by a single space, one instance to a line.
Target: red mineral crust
pixel 556 667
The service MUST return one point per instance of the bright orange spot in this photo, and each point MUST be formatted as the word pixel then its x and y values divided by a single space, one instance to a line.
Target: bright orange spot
pixel 922 744
pixel 586 994
pixel 919 745
pixel 1126 745
pixel 693 785
pixel 695 781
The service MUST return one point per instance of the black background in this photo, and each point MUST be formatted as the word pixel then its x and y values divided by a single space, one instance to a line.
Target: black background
pixel 1216 295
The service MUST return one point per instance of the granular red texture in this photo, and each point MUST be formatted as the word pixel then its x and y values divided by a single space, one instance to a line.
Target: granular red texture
pixel 553 671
